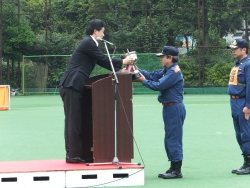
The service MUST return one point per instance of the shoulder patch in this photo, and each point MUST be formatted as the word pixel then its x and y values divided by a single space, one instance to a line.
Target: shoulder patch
pixel 177 69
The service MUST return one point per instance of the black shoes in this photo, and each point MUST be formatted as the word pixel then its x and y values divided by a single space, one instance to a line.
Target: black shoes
pixel 75 159
pixel 245 169
pixel 172 175
pixel 235 170
pixel 168 171
pixel 173 172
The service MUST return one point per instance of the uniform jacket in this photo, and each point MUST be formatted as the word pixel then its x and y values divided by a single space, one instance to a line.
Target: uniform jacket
pixel 83 61
pixel 168 81
pixel 239 81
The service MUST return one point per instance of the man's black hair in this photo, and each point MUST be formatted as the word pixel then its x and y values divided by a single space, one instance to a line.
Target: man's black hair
pixel 174 58
pixel 94 24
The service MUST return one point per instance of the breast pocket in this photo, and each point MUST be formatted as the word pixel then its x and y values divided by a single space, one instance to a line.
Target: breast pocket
pixel 241 77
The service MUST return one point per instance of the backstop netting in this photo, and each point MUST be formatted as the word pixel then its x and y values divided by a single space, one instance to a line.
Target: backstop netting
pixel 42 74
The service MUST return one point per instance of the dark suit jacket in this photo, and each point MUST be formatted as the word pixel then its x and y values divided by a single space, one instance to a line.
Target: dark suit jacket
pixel 83 61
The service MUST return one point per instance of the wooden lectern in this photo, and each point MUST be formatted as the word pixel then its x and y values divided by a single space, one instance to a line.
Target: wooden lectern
pixel 99 118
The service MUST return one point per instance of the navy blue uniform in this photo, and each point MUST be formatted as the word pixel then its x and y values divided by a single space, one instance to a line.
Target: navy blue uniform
pixel 239 90
pixel 169 83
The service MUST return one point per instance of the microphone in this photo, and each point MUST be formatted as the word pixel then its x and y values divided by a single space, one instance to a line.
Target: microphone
pixel 100 39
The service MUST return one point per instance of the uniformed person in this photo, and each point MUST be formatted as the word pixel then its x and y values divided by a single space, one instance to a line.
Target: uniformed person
pixel 169 83
pixel 239 91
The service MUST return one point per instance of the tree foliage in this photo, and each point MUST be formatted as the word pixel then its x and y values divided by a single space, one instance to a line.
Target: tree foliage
pixel 42 28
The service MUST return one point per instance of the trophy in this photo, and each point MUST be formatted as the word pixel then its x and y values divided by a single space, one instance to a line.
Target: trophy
pixel 132 68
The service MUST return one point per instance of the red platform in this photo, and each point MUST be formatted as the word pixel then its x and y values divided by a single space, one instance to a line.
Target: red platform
pixel 59 174
pixel 54 165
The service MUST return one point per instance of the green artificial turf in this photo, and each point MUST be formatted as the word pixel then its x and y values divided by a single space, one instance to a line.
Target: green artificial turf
pixel 33 130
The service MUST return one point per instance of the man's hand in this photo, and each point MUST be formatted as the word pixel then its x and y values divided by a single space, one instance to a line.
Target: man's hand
pixel 128 61
pixel 246 111
pixel 141 79
pixel 124 70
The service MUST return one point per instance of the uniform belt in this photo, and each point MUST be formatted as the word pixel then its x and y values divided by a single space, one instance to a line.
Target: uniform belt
pixel 169 104
pixel 235 97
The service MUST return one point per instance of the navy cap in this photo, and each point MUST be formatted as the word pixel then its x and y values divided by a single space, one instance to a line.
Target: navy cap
pixel 168 50
pixel 238 43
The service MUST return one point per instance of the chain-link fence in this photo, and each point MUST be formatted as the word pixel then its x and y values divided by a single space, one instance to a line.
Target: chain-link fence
pixel 42 74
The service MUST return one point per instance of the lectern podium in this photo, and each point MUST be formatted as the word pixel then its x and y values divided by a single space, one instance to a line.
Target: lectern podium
pixel 99 118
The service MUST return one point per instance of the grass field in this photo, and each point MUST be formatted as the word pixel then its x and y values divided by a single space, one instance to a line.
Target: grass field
pixel 33 130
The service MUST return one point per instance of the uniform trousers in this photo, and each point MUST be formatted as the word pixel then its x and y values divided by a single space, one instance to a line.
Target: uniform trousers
pixel 73 131
pixel 174 117
pixel 241 125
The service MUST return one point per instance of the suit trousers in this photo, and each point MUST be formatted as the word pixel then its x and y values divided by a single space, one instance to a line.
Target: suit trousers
pixel 73 110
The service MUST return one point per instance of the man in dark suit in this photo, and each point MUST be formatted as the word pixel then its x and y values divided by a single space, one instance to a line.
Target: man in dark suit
pixel 81 64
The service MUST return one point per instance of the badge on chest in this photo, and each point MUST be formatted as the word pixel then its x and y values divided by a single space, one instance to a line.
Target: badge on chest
pixel 233 79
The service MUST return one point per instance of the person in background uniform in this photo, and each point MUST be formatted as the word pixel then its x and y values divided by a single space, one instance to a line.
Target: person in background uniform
pixel 169 83
pixel 239 91
pixel 81 64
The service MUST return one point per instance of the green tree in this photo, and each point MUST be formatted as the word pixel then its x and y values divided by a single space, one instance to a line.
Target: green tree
pixel 17 38
pixel 143 26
